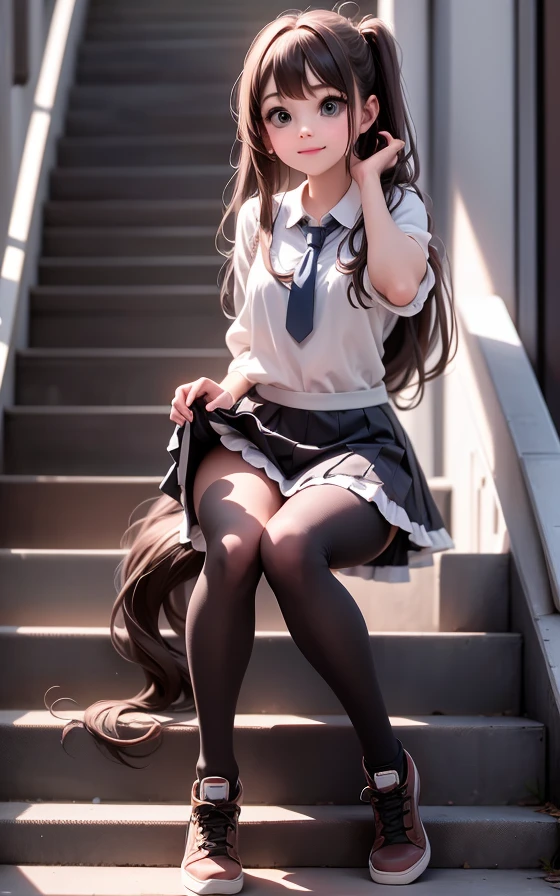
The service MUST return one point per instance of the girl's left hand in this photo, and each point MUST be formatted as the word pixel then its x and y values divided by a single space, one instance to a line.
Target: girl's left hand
pixel 378 162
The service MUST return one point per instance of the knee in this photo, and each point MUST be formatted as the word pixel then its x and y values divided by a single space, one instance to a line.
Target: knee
pixel 287 551
pixel 232 557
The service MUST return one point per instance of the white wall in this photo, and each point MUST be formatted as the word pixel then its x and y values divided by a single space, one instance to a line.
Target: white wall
pixel 475 130
pixel 16 101
pixel 409 23
pixel 474 183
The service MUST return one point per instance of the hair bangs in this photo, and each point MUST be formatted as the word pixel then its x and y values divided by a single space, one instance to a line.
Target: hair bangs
pixel 286 63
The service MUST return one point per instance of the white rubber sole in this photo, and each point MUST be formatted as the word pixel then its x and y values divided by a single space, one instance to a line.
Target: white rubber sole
pixel 403 877
pixel 192 885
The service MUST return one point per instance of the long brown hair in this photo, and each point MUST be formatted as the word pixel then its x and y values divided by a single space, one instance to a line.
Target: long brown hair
pixel 340 53
pixel 156 565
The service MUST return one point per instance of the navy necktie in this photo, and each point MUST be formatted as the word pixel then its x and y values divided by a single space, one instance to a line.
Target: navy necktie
pixel 301 300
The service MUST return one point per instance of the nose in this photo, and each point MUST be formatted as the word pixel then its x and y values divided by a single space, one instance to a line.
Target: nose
pixel 305 131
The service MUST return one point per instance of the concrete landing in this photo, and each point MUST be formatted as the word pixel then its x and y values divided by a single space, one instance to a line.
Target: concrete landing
pixel 31 880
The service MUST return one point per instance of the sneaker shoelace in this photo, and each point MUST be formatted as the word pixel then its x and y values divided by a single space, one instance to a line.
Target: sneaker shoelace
pixel 390 806
pixel 212 826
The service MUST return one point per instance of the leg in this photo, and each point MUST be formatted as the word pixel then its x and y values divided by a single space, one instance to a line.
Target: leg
pixel 233 501
pixel 321 528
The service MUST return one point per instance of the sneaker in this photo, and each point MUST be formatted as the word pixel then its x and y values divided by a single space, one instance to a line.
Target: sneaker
pixel 211 863
pixel 401 850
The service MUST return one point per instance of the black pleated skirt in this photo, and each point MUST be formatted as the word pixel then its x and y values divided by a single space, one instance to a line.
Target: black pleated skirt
pixel 363 449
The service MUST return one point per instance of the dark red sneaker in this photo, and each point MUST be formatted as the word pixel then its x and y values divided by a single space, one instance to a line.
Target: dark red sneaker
pixel 211 863
pixel 401 850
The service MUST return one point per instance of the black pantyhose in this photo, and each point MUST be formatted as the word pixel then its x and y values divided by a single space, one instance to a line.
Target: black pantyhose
pixel 318 529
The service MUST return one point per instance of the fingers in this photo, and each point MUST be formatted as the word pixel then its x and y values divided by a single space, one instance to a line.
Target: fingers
pixel 184 396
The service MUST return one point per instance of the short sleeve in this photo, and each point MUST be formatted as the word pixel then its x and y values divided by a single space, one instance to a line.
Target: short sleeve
pixel 238 336
pixel 412 218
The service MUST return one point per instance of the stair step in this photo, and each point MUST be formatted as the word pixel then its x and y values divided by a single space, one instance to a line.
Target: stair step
pixel 208 59
pixel 112 376
pixel 78 588
pixel 88 441
pixel 178 11
pixel 128 241
pixel 99 30
pixel 128 49
pixel 414 671
pixel 145 96
pixel 269 836
pixel 137 212
pixel 169 270
pixel 98 881
pixel 47 513
pixel 112 121
pixel 192 149
pixel 72 511
pixel 166 182
pixel 126 317
pixel 501 759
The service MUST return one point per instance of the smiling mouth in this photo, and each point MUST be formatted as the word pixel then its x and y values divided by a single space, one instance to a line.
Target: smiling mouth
pixel 317 149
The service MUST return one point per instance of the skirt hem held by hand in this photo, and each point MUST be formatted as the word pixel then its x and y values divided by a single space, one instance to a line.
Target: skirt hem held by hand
pixel 362 449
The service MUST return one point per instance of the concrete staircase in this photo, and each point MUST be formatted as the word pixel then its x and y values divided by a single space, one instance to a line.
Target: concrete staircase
pixel 125 308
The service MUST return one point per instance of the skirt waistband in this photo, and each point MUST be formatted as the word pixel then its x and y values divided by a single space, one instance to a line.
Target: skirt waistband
pixel 324 401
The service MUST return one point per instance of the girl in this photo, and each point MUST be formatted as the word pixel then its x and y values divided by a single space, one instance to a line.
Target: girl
pixel 324 281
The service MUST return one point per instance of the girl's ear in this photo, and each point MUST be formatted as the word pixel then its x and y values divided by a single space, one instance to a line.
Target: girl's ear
pixel 370 112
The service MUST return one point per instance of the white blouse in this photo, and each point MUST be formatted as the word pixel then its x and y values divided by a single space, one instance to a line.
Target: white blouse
pixel 339 364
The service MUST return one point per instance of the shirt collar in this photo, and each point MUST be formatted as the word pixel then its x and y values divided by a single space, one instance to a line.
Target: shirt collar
pixel 345 211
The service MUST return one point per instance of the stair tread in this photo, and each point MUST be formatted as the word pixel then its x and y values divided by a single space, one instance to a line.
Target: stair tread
pixel 35 718
pixel 87 290
pixel 124 260
pixel 142 230
pixel 122 352
pixel 91 47
pixel 135 170
pixel 146 139
pixel 84 880
pixel 179 811
pixel 104 631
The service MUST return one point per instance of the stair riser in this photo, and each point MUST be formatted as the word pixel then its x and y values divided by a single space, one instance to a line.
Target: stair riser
pixel 111 242
pixel 126 213
pixel 79 590
pixel 111 381
pixel 306 844
pixel 129 328
pixel 65 514
pixel 89 446
pixel 168 65
pixel 279 679
pixel 178 11
pixel 188 183
pixel 116 122
pixel 201 271
pixel 299 765
pixel 186 97
pixel 170 30
pixel 133 152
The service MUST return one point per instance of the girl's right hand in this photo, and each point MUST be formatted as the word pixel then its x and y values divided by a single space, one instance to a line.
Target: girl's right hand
pixel 187 392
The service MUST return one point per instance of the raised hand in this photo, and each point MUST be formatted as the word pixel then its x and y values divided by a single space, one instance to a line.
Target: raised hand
pixel 379 161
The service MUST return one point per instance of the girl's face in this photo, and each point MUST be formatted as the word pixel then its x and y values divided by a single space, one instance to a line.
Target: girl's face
pixel 311 135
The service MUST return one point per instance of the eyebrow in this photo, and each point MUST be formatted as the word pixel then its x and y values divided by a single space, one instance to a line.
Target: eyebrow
pixel 314 90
